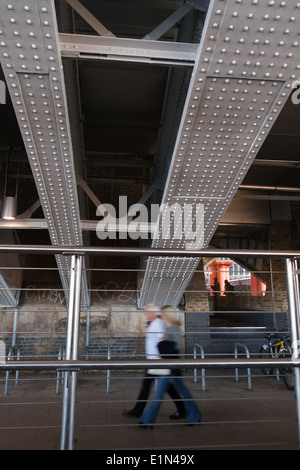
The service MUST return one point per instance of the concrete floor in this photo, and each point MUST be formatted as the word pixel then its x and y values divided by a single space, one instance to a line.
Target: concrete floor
pixel 234 418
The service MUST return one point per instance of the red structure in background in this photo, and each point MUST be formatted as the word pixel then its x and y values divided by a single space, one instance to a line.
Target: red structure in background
pixel 257 287
pixel 220 271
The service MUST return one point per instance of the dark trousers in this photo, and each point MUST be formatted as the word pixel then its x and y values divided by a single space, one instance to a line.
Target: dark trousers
pixel 145 391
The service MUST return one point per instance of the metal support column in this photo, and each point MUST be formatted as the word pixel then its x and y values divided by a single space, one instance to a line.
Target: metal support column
pixel 70 377
pixel 294 309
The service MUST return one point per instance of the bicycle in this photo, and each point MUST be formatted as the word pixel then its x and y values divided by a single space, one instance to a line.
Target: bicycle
pixel 278 346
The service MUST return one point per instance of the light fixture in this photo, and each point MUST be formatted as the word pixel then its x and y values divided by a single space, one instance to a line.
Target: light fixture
pixel 9 204
pixel 9 208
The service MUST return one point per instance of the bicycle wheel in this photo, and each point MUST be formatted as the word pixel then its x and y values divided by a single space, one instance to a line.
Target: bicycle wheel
pixel 288 378
pixel 265 353
pixel 288 374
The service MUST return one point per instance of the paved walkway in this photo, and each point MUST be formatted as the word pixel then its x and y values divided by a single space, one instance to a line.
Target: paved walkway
pixel 234 417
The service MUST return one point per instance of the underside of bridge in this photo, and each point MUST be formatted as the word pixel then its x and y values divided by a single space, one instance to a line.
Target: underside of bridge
pixel 181 115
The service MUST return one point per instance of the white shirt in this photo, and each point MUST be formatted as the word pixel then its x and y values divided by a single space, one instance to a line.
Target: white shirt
pixel 155 333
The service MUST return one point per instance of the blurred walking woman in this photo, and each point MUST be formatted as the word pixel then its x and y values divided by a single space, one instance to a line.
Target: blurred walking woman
pixel 170 347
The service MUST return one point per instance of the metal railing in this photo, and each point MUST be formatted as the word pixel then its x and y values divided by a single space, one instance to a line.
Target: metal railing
pixel 70 366
pixel 12 353
pixel 59 375
pixel 246 351
pixel 202 355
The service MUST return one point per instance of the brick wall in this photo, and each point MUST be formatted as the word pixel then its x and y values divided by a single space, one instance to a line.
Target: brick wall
pixel 242 317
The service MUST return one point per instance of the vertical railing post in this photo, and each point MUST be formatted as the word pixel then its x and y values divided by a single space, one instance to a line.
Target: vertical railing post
pixel 70 379
pixel 294 309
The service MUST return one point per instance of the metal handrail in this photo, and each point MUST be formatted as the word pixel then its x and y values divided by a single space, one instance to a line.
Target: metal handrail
pixel 76 366
pixel 199 346
pixel 13 352
pixel 60 375
pixel 241 345
pixel 108 373
pixel 111 251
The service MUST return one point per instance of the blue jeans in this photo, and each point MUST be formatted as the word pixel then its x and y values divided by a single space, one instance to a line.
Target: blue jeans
pixel 192 410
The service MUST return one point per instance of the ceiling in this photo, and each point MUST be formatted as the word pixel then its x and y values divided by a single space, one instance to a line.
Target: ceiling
pixel 162 101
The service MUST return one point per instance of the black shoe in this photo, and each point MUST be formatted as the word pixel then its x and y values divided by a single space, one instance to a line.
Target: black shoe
pixel 178 415
pixel 145 426
pixel 193 422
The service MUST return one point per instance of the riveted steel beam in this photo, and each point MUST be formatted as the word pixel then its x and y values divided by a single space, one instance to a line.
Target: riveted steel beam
pixel 32 66
pixel 247 61
pixel 127 50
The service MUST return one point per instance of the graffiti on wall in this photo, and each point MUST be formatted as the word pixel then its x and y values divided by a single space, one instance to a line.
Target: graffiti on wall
pixel 35 294
pixel 115 291
pixel 110 291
